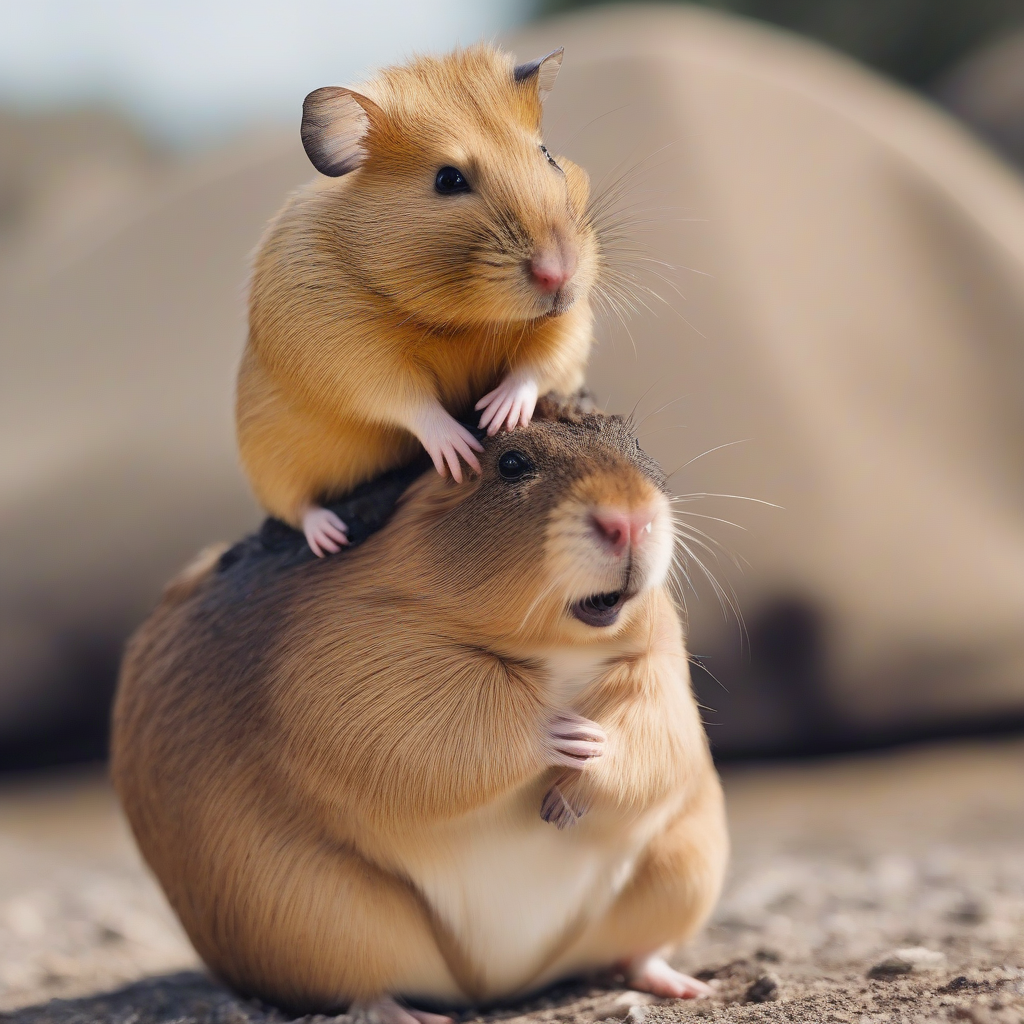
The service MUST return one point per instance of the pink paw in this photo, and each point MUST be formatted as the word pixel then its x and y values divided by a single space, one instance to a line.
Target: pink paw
pixel 445 440
pixel 652 974
pixel 325 533
pixel 573 741
pixel 510 404
pixel 387 1011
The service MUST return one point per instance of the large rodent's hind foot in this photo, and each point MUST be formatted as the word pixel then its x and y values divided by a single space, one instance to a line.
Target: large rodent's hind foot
pixel 652 974
pixel 509 405
pixel 325 533
pixel 558 810
pixel 387 1011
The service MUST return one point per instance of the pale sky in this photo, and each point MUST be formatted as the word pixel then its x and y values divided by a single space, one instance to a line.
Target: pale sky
pixel 187 68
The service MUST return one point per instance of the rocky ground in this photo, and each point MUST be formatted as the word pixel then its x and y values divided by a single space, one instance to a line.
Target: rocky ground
pixel 877 888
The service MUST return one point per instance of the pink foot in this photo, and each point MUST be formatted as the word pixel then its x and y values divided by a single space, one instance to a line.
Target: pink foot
pixel 652 974
pixel 325 532
pixel 386 1011
pixel 445 440
pixel 509 405
pixel 573 740
pixel 428 1018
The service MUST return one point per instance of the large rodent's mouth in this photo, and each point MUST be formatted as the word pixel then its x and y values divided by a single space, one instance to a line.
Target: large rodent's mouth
pixel 600 609
pixel 562 302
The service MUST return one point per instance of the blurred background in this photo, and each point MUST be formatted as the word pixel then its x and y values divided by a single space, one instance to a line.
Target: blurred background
pixel 820 239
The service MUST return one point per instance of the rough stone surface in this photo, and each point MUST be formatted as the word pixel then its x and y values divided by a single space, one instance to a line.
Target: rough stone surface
pixel 879 888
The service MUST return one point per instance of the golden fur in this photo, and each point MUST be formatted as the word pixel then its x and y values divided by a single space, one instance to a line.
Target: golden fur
pixel 335 768
pixel 372 295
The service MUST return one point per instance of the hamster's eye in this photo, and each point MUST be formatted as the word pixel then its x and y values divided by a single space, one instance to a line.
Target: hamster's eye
pixel 513 465
pixel 450 180
pixel 637 443
pixel 547 156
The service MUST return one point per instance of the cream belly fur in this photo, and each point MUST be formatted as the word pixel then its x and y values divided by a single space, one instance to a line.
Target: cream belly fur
pixel 514 889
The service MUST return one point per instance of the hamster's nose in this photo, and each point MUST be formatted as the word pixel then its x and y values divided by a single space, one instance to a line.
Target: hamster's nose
pixel 619 529
pixel 550 269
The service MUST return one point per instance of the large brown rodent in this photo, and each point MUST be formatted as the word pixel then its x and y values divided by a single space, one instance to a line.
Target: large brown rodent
pixel 445 255
pixel 335 767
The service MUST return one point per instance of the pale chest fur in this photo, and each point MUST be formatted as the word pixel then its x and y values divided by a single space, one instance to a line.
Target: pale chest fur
pixel 511 888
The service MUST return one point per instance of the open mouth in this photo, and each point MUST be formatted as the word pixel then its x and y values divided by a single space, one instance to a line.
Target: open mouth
pixel 599 609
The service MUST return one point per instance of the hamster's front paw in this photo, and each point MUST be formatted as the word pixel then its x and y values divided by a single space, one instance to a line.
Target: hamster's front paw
pixel 445 440
pixel 510 404
pixel 559 808
pixel 572 740
pixel 325 532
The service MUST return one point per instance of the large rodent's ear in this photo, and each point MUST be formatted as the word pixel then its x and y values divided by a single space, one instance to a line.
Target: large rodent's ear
pixel 543 70
pixel 334 123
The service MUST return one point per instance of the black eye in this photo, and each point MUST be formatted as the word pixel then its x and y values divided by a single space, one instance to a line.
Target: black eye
pixel 637 443
pixel 449 180
pixel 513 465
pixel 550 159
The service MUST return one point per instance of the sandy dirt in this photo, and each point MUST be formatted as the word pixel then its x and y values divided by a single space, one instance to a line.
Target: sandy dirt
pixel 877 888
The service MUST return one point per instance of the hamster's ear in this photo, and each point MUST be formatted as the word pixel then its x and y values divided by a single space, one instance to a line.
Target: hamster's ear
pixel 543 70
pixel 334 123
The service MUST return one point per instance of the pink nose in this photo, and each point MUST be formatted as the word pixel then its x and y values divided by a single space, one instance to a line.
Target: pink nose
pixel 620 529
pixel 551 270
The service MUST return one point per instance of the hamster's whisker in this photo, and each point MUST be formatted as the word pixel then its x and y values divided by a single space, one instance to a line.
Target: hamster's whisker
pixel 546 592
pixel 662 408
pixel 718 447
pixel 576 134
pixel 695 495
pixel 701 515
pixel 712 545
pixel 727 599
pixel 697 660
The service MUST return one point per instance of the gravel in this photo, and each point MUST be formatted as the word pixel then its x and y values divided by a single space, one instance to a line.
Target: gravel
pixel 885 887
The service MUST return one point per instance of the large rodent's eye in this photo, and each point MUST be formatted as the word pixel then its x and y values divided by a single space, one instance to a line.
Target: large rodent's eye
pixel 450 180
pixel 513 465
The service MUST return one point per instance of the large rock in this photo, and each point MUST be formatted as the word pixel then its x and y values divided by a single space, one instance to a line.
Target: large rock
pixel 852 318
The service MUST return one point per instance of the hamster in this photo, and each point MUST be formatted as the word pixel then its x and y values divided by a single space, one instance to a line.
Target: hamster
pixel 444 255
pixel 335 767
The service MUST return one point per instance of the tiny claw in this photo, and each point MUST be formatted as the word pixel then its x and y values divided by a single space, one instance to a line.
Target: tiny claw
pixel 325 532
pixel 557 811
pixel 509 405
pixel 573 741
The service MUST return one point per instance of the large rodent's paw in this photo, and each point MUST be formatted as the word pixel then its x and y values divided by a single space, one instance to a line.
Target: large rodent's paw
pixel 325 533
pixel 446 440
pixel 387 1011
pixel 558 809
pixel 572 740
pixel 652 974
pixel 509 405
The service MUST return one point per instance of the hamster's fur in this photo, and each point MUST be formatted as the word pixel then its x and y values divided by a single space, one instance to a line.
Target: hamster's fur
pixel 381 308
pixel 335 767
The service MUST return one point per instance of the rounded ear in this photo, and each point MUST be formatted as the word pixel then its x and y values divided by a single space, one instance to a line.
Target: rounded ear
pixel 543 71
pixel 334 122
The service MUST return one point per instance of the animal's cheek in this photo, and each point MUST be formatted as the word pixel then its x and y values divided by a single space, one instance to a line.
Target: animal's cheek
pixel 577 183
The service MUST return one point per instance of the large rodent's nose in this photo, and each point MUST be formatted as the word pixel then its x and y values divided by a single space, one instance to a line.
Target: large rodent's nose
pixel 619 529
pixel 551 269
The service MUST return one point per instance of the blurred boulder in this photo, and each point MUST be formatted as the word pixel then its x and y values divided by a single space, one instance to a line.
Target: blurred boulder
pixel 65 174
pixel 987 91
pixel 849 348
